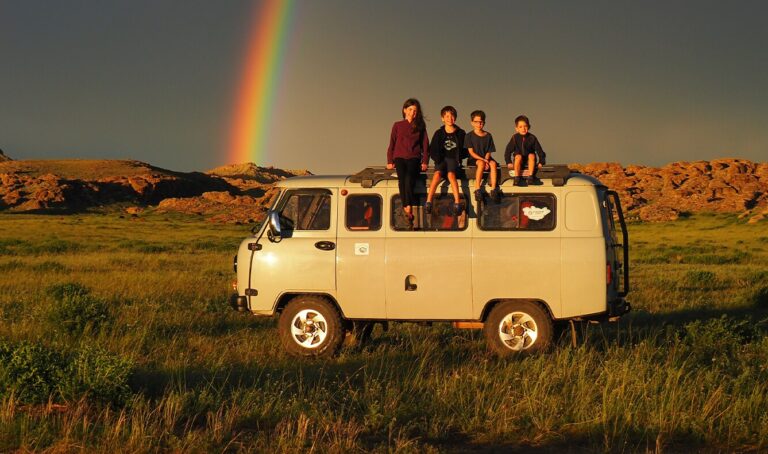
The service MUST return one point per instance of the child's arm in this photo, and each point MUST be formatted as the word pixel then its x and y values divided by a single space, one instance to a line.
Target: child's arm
pixel 509 151
pixel 475 155
pixel 434 147
pixel 424 150
pixel 391 148
pixel 491 148
pixel 540 152
pixel 471 149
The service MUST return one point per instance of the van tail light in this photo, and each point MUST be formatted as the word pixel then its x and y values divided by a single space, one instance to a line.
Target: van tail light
pixel 608 273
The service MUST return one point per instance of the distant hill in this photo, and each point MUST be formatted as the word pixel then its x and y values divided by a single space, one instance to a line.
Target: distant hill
pixel 242 192
pixel 66 186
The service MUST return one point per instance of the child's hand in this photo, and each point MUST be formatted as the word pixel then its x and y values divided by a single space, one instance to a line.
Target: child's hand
pixel 510 166
pixel 390 166
pixel 423 167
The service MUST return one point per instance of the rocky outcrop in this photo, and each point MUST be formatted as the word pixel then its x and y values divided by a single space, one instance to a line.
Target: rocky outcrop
pixel 67 186
pixel 661 194
pixel 227 194
pixel 241 193
pixel 248 203
pixel 3 157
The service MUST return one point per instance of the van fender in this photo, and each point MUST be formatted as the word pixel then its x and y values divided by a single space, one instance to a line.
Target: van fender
pixel 492 303
pixel 284 298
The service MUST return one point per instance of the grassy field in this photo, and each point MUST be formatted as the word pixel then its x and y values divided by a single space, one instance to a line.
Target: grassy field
pixel 115 336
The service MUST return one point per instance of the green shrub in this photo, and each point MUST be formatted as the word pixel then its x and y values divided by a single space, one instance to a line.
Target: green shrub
pixel 11 265
pixel 99 375
pixel 9 246
pixel 699 279
pixel 759 296
pixel 35 373
pixel 74 309
pixel 29 371
pixel 716 342
pixel 67 289
pixel 49 266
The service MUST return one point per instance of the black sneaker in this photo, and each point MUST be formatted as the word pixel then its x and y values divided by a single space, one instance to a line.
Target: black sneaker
pixel 479 195
pixel 530 180
pixel 428 207
pixel 518 181
pixel 496 195
pixel 456 209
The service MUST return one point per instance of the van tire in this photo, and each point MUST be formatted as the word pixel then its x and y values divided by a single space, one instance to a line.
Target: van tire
pixel 518 327
pixel 310 326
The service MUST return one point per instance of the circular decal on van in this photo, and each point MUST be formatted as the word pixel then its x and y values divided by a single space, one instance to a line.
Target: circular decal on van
pixel 536 213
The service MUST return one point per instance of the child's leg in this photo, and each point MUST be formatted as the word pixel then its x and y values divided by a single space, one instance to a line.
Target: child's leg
pixel 401 169
pixel 493 174
pixel 433 187
pixel 518 165
pixel 454 186
pixel 532 163
pixel 479 174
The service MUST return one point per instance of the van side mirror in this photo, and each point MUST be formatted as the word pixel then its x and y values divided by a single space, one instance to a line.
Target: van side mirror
pixel 274 232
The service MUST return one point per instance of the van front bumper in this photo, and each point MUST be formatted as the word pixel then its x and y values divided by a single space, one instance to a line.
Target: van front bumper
pixel 238 303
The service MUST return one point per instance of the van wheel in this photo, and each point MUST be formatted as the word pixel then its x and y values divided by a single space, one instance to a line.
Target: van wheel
pixel 310 326
pixel 516 327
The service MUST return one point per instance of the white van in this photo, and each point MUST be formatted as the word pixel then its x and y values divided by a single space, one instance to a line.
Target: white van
pixel 340 255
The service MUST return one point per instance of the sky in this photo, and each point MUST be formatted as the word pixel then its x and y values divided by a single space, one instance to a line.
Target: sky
pixel 159 81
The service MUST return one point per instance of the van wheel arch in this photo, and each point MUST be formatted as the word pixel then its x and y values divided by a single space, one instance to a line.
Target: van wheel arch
pixel 286 298
pixel 493 303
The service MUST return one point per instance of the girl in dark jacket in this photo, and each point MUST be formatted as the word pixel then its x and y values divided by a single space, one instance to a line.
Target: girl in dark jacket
pixel 408 152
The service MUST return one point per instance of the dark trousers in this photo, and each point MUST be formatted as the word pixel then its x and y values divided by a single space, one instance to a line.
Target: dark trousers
pixel 407 174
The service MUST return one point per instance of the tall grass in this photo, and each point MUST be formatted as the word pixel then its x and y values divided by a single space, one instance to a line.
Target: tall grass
pixel 686 370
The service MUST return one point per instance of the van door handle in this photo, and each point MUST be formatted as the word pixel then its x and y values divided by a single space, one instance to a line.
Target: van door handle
pixel 325 245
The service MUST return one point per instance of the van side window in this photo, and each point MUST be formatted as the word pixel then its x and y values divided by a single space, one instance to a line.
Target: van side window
pixel 519 212
pixel 441 219
pixel 363 212
pixel 306 211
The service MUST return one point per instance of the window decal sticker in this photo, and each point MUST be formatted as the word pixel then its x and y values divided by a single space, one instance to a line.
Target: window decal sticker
pixel 536 213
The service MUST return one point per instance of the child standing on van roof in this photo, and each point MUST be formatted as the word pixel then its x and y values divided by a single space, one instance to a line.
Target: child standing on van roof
pixel 408 152
pixel 479 143
pixel 446 150
pixel 525 147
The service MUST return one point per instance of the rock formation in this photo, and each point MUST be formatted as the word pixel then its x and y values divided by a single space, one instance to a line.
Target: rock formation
pixel 241 193
pixel 3 157
pixel 226 194
pixel 661 194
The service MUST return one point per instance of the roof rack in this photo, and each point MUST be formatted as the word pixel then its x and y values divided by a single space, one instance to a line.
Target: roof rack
pixel 371 176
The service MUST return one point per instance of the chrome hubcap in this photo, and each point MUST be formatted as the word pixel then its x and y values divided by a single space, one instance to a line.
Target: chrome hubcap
pixel 309 328
pixel 518 331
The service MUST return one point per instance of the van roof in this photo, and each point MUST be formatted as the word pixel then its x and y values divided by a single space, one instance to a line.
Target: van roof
pixel 550 175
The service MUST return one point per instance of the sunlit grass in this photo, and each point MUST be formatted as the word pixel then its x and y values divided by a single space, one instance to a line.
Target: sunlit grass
pixel 673 375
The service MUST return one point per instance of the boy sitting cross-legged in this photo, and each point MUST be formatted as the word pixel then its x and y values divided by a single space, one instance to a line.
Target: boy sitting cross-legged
pixel 525 147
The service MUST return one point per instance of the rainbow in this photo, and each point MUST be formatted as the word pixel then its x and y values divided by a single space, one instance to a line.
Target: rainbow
pixel 259 78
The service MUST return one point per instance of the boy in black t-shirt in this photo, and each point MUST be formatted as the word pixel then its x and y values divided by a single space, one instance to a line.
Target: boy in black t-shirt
pixel 446 151
pixel 525 147
pixel 479 143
